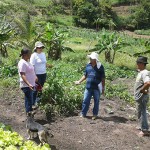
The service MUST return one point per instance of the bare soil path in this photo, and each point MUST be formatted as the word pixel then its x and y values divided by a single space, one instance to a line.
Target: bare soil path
pixel 115 129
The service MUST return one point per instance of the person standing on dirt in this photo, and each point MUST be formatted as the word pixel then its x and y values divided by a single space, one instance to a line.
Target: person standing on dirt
pixel 94 75
pixel 27 78
pixel 141 87
pixel 38 60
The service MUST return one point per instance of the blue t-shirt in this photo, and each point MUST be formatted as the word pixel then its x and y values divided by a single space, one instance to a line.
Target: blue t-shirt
pixel 93 76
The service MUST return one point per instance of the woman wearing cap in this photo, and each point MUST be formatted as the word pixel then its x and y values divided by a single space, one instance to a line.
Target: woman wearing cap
pixel 27 78
pixel 38 60
pixel 94 75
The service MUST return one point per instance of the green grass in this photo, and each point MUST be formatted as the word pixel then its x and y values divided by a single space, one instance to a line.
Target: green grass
pixel 65 20
pixel 119 2
pixel 42 3
pixel 142 32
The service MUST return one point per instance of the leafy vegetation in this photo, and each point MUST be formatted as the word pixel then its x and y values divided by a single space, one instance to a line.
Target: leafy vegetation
pixel 10 140
pixel 109 43
pixel 99 13
pixel 142 32
pixel 54 39
pixel 5 34
pixel 141 15
pixel 119 91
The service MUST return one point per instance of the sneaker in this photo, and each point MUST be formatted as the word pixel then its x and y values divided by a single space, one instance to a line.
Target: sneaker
pixel 138 128
pixel 94 117
pixel 82 116
pixel 34 107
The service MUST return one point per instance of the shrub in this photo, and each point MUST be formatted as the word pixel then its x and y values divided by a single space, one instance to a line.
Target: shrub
pixel 141 15
pixel 93 14
pixel 60 95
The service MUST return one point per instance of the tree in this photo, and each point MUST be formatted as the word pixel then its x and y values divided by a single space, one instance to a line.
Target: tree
pixel 5 34
pixel 26 31
pixel 92 13
pixel 54 40
pixel 109 43
pixel 141 15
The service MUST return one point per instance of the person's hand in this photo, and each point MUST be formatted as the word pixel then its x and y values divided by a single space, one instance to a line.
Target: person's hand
pixel 144 91
pixel 77 82
pixel 31 87
pixel 103 92
pixel 36 79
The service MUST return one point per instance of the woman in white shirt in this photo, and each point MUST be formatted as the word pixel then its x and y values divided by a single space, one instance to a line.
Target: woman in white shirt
pixel 38 60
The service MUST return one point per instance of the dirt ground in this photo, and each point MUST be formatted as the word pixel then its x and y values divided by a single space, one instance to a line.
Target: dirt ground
pixel 115 128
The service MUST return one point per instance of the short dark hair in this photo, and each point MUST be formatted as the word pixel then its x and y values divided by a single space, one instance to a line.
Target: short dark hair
pixel 24 51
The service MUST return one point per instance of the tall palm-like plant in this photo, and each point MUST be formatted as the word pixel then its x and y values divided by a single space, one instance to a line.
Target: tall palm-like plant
pixel 5 34
pixel 54 39
pixel 109 43
pixel 26 32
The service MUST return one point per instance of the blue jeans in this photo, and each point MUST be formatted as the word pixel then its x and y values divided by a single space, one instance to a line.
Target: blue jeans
pixel 41 80
pixel 28 98
pixel 88 93
pixel 142 115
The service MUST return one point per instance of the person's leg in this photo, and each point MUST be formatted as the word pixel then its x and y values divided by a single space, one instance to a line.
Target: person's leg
pixel 86 101
pixel 41 79
pixel 37 95
pixel 96 102
pixel 28 98
pixel 34 97
pixel 144 119
pixel 139 111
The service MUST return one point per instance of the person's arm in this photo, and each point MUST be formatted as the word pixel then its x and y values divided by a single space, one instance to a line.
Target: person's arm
pixel 23 76
pixel 146 79
pixel 103 81
pixel 81 80
pixel 145 87
pixel 103 86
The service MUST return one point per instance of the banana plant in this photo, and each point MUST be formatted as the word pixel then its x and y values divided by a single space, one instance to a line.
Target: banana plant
pixel 27 35
pixel 109 43
pixel 5 34
pixel 54 39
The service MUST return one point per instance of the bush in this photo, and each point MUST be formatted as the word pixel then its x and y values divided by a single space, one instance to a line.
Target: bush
pixel 119 91
pixel 8 71
pixel 10 140
pixel 93 14
pixel 141 15
pixel 60 95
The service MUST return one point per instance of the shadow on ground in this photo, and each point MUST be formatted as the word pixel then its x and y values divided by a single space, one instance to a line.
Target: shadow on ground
pixel 116 119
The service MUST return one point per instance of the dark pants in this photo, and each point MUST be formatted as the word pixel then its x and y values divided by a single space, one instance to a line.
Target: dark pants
pixel 41 80
pixel 28 98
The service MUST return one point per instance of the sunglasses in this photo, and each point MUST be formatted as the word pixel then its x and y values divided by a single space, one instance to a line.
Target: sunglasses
pixel 40 47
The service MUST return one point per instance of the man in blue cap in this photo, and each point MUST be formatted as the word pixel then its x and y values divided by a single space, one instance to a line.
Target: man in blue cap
pixel 141 87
